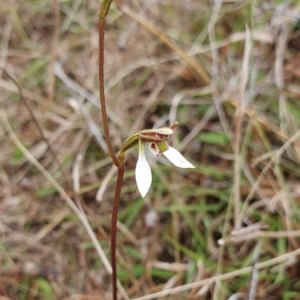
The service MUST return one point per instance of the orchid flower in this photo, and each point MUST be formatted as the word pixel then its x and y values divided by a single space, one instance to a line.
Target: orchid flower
pixel 156 138
pixel 158 145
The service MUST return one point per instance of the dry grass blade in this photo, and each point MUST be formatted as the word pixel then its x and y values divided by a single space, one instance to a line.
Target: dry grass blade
pixel 254 275
pixel 274 261
pixel 55 222
pixel 63 194
pixel 5 41
pixel 53 55
pixel 257 234
pixel 76 173
pixel 59 72
pixel 215 64
pixel 165 61
pixel 239 119
pixel 193 64
pixel 104 183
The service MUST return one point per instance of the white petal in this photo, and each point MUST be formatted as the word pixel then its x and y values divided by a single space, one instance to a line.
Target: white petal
pixel 143 174
pixel 177 159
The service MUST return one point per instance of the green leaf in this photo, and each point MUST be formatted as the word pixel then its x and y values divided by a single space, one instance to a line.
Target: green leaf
pixel 129 214
pixel 45 191
pixel 215 138
pixel 133 252
pixel 139 270
pixel 294 110
pixel 290 295
pixel 16 156
pixel 45 289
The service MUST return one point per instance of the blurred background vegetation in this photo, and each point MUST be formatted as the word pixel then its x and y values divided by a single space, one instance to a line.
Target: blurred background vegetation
pixel 228 71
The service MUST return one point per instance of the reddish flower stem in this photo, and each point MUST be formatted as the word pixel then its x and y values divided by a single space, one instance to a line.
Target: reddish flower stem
pixel 102 92
pixel 114 220
pixel 118 162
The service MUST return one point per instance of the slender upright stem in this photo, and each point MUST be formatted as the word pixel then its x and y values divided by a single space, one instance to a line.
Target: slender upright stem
pixel 118 162
pixel 114 220
pixel 102 90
